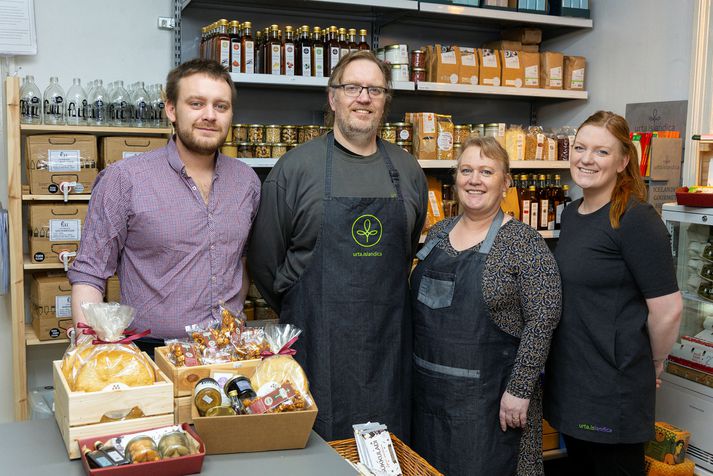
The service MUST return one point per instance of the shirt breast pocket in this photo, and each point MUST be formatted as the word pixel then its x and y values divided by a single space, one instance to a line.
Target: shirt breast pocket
pixel 436 289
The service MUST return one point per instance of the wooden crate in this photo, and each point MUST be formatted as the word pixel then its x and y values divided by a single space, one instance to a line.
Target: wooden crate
pixel 185 378
pixel 182 410
pixel 550 441
pixel 78 413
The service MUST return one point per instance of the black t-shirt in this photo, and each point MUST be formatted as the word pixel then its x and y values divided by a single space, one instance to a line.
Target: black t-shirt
pixel 600 375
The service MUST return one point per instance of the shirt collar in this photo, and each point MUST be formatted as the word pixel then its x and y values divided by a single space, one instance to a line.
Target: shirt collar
pixel 174 160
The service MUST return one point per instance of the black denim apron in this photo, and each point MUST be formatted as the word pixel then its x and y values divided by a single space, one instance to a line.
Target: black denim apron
pixel 462 363
pixel 352 303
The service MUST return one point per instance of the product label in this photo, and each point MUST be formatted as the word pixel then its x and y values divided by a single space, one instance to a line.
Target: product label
pixel 433 202
pixel 235 56
pixel 65 230
pixel 512 59
pixel 489 59
pixel 333 58
pixel 343 52
pixel 224 49
pixel 319 61
pixel 556 73
pixel 63 306
pixel 54 107
pixel 525 212
pixel 534 214
pixel 429 123
pixel 544 206
pixel 63 160
pixel 306 61
pixel 249 63
pixel 551 149
pixel 467 59
pixel 275 59
pixel 532 75
pixel 445 141
pixel 577 80
pixel 289 59
pixel 404 135
pixel 448 57
pixel 540 146
pixel 126 154
pixel 501 129
pixel 520 147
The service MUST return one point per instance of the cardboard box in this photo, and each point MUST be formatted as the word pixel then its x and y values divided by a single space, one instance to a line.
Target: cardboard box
pixel 513 74
pixel 665 157
pixel 185 378
pixel 444 65
pixel 530 48
pixel 116 148
pixel 54 159
pixel 669 444
pixel 489 63
pixel 51 305
pixel 574 69
pixel 530 69
pixel 47 328
pixel 53 228
pixel 246 433
pixel 468 66
pixel 113 289
pixel 182 465
pixel 551 70
pixel 526 36
pixel 503 45
pixel 78 413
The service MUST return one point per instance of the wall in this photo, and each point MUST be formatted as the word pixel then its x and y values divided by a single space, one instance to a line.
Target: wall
pixel 636 52
pixel 87 39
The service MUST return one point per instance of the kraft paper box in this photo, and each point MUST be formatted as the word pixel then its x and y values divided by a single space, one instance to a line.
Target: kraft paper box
pixel 116 148
pixel 526 36
pixel 51 305
pixel 503 45
pixel 54 159
pixel 669 444
pixel 530 48
pixel 551 70
pixel 574 69
pixel 665 157
pixel 489 67
pixel 53 228
pixel 444 65
pixel 513 74
pixel 248 433
pixel 468 67
pixel 425 134
pixel 530 69
pixel 50 329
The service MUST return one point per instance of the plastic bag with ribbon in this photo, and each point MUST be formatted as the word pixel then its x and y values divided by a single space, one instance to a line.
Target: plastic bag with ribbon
pixel 279 381
pixel 216 342
pixel 102 354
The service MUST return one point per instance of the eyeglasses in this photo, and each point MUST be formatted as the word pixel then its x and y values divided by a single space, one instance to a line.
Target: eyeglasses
pixel 354 90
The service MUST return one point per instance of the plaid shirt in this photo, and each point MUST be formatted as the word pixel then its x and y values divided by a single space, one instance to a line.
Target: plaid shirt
pixel 177 257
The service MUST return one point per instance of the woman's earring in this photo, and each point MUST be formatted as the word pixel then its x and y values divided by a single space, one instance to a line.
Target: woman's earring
pixel 505 194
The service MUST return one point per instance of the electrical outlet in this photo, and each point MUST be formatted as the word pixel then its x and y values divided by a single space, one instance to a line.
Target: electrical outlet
pixel 166 23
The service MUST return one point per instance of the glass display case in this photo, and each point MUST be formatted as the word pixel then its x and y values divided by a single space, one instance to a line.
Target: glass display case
pixel 685 398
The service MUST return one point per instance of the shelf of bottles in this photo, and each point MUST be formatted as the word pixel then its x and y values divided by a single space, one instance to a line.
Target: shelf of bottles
pixel 135 107
pixel 541 200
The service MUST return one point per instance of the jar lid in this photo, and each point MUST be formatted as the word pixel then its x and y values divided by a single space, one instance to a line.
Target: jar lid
pixel 399 66
pixel 274 125
pixel 290 127
pixel 280 144
pixel 462 126
pixel 240 125
pixel 310 127
pixel 262 144
pixel 415 70
pixel 256 125
pixel 229 144
pixel 404 143
pixel 400 124
pixel 393 47
pixel 492 124
pixel 244 143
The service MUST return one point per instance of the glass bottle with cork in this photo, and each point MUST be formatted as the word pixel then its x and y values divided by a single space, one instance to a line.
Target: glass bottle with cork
pixel 304 53
pixel 235 59
pixel 288 52
pixel 318 56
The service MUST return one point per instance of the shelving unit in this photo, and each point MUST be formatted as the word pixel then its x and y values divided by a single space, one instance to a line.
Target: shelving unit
pixel 436 164
pixel 23 335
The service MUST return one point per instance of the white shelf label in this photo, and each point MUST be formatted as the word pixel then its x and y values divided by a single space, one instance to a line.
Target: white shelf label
pixel 63 160
pixel 63 306
pixel 65 230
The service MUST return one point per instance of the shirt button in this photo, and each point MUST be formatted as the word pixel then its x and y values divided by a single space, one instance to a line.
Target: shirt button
pixel 212 247
pixel 193 187
pixel 213 279
pixel 210 215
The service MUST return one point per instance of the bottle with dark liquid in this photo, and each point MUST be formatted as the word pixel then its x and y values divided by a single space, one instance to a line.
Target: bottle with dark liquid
pixel 351 40
pixel 247 49
pixel 304 53
pixel 222 44
pixel 333 51
pixel 343 44
pixel 235 59
pixel 288 52
pixel 363 43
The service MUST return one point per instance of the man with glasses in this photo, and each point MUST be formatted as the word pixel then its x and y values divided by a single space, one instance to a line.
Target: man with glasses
pixel 331 250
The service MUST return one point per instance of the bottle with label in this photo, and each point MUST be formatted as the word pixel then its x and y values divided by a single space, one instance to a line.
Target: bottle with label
pixel 234 34
pixel 288 52
pixel 261 42
pixel 120 105
pixel 247 50
pixel 76 103
pixel 561 206
pixel 303 59
pixel 273 48
pixel 209 46
pixel 54 106
pixel 157 105
pixel 543 200
pixel 534 206
pixel 343 44
pixel 525 202
pixel 318 54
pixel 98 104
pixel 333 51
pixel 351 40
pixel 201 48
pixel 141 106
pixel 557 197
pixel 30 102
pixel 363 43
pixel 222 44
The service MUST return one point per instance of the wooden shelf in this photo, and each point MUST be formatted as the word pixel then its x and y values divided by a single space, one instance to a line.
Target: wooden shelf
pixel 31 338
pixel 55 198
pixel 514 164
pixel 109 130
pixel 29 265
pixel 554 454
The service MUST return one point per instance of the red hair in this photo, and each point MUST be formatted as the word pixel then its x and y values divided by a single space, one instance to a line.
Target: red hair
pixel 628 182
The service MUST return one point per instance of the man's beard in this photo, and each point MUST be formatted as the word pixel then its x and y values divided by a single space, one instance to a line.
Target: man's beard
pixel 199 146
pixel 351 130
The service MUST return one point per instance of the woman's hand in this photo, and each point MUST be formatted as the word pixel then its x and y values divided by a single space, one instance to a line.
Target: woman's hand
pixel 513 411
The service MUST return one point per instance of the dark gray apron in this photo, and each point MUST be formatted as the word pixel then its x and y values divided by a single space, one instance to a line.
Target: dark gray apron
pixel 462 363
pixel 353 307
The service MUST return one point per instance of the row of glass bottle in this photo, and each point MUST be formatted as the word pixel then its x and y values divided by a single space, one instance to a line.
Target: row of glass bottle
pixel 114 106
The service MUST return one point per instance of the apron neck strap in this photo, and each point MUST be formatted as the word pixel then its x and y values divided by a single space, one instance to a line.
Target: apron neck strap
pixel 492 231
pixel 443 233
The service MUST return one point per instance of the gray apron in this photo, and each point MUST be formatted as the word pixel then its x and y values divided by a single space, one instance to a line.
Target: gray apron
pixel 462 363
pixel 352 305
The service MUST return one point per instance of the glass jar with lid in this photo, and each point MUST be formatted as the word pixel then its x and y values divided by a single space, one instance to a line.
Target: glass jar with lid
pixel 273 133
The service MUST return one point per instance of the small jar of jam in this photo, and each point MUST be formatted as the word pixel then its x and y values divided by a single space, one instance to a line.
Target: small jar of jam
pixel 279 149
pixel 240 132
pixel 478 130
pixel 418 59
pixel 418 74
pixel 256 133
pixel 404 131
pixel 407 146
pixel 206 395
pixel 245 150
pixel 273 133
pixel 242 385
pixel 142 449
pixel 388 133
pixel 173 445
pixel 288 134
pixel 262 151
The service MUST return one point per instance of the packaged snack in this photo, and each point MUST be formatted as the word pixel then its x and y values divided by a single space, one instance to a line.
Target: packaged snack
pixel 183 354
pixel 444 139
pixel 103 355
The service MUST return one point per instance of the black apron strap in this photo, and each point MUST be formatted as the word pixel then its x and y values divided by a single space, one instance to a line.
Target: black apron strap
pixel 492 231
pixel 328 167
pixel 444 369
pixel 442 234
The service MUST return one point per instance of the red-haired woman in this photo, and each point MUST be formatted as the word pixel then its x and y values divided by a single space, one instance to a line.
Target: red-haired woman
pixel 621 307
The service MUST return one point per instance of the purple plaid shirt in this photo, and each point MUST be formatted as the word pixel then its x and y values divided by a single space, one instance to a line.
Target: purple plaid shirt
pixel 177 258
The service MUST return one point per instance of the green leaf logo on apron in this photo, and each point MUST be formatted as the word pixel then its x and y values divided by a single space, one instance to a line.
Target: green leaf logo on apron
pixel 366 231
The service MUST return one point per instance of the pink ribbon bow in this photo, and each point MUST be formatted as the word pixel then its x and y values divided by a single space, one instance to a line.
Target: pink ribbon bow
pixel 130 334
pixel 285 350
